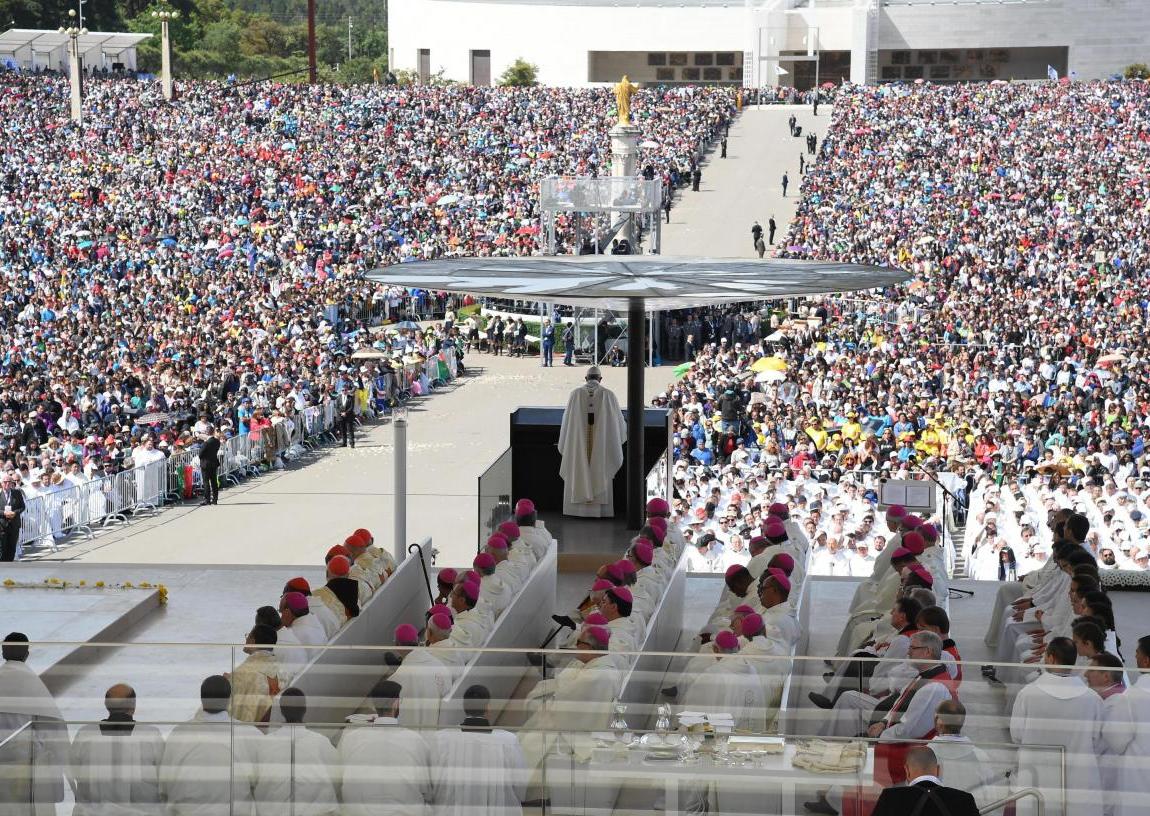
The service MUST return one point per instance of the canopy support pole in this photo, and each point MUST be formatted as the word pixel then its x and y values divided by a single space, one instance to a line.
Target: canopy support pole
pixel 636 343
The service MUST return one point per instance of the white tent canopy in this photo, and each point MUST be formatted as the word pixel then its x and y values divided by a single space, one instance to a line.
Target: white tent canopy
pixel 31 48
pixel 612 281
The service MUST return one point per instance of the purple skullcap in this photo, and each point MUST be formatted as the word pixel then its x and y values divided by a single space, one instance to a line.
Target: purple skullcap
pixel 658 507
pixel 914 543
pixel 780 578
pixel 600 634
pixel 595 619
pixel 727 641
pixel 442 622
pixel 911 522
pixel 751 624
pixel 446 576
pixel 510 530
pixel 775 531
pixel 929 533
pixel 779 510
pixel 614 572
pixel 735 569
pixel 296 602
pixel 626 567
pixel 895 511
pixel 406 635
pixel 784 562
pixel 758 541
pixel 601 584
pixel 644 552
pixel 471 577
pixel 901 552
pixel 498 541
pixel 743 609
pixel 923 573
pixel 471 591
pixel 621 593
pixel 658 524
pixel 440 609
pixel 524 507
pixel 484 562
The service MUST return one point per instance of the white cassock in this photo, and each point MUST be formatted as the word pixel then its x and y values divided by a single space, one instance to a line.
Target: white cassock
pixel 471 629
pixel 626 636
pixel 967 767
pixel 864 596
pixel 385 770
pixel 202 759
pixel 537 538
pixel 1059 710
pixel 1109 764
pixel 478 772
pixel 591 454
pixel 297 770
pixel 425 680
pixel 289 654
pixel 514 572
pixel 309 631
pixel 495 595
pixel 115 770
pixel 31 763
pixel 782 618
pixel 1128 739
pixel 730 685
pixel 576 702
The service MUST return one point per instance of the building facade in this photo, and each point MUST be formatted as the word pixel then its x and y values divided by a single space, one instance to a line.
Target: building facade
pixel 767 42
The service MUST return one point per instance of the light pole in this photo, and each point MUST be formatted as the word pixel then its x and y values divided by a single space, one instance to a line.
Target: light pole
pixel 165 50
pixel 399 423
pixel 74 33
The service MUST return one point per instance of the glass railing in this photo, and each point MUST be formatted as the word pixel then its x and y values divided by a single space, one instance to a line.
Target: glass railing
pixel 695 730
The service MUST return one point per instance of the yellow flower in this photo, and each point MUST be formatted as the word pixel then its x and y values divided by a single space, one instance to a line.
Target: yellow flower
pixel 163 594
pixel 83 583
pixel 126 585
pixel 8 582
pixel 145 585
pixel 99 584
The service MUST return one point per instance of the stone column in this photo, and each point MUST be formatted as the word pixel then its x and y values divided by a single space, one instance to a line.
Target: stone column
pixel 625 164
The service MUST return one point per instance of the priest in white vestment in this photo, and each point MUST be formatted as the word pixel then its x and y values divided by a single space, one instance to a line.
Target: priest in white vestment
pixel 31 762
pixel 964 765
pixel 209 764
pixel 532 531
pixel 385 768
pixel 575 703
pixel 425 679
pixel 295 613
pixel 729 685
pixel 591 444
pixel 297 769
pixel 1127 735
pixel 114 765
pixel 1059 709
pixel 477 769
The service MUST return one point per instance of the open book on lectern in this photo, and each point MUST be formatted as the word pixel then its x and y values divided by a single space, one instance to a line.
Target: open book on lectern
pixel 914 495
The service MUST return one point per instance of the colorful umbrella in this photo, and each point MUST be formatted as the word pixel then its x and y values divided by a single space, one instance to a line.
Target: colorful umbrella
pixel 769 364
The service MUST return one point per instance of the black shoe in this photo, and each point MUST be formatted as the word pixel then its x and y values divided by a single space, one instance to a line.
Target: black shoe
pixel 820 806
pixel 671 691
pixel 205 503
pixel 820 700
pixel 564 620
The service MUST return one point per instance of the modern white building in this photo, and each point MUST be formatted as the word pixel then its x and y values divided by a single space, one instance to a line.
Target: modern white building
pixel 767 42
pixel 47 50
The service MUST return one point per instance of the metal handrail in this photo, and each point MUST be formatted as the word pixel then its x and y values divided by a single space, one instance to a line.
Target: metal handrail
pixel 1039 799
pixel 16 733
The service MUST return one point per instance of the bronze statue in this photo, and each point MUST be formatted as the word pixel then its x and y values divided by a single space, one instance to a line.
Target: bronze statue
pixel 623 93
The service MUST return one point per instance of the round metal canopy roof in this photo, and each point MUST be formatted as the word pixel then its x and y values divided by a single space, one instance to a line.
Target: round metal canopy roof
pixel 612 281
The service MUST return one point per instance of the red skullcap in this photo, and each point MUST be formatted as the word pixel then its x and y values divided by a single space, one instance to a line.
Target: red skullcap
pixel 339 566
pixel 299 585
pixel 338 549
pixel 354 541
pixel 365 535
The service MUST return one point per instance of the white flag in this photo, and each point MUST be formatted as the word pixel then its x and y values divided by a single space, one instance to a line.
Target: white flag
pixel 780 71
pixel 1051 74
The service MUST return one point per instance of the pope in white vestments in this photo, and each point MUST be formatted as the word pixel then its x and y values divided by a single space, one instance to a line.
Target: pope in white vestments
pixel 592 452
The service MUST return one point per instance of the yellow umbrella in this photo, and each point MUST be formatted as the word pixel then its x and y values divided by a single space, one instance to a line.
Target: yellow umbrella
pixel 769 364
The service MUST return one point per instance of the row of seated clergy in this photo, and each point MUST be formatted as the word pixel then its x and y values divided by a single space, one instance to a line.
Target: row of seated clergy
pixel 467 608
pixel 212 765
pixel 741 669
pixel 565 710
pixel 352 581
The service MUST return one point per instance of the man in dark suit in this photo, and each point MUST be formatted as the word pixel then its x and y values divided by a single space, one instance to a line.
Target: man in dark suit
pixel 210 465
pixel 924 794
pixel 345 409
pixel 12 499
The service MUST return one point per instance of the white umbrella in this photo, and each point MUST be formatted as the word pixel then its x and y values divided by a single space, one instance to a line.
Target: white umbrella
pixel 774 337
pixel 448 199
pixel 648 144
pixel 770 376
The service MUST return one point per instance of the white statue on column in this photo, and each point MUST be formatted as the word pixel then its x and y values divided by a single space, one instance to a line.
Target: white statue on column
pixel 591 444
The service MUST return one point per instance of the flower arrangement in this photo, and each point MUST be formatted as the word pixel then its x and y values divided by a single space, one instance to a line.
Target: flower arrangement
pixel 58 583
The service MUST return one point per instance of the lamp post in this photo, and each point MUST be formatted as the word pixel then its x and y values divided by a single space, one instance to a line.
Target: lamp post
pixel 399 423
pixel 165 50
pixel 74 33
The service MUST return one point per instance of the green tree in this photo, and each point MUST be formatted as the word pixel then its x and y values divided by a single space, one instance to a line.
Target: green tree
pixel 223 39
pixel 1137 70
pixel 521 74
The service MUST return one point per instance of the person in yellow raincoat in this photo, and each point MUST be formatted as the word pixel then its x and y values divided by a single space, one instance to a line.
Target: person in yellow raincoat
pixel 852 428
pixel 814 431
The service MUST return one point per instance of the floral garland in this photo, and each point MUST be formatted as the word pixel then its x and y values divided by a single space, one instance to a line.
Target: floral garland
pixel 57 583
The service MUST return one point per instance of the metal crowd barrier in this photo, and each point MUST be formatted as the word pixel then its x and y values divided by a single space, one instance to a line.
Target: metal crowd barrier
pixel 67 509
